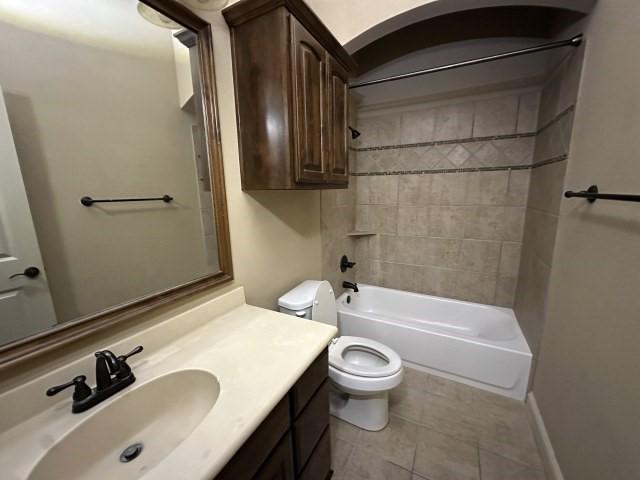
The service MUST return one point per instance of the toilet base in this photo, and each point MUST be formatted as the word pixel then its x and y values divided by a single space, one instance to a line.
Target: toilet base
pixel 369 412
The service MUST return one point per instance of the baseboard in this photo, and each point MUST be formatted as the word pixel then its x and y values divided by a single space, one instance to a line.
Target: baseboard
pixel 549 460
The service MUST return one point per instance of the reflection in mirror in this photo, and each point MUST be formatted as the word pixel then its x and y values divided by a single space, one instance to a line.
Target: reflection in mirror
pixel 100 100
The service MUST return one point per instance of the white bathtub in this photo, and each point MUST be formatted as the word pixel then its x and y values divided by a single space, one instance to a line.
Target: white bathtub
pixel 480 345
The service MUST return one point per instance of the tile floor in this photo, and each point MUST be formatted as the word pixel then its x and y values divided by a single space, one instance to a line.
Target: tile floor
pixel 440 430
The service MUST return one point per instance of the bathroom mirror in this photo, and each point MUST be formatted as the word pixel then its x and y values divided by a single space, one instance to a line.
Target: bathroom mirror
pixel 112 196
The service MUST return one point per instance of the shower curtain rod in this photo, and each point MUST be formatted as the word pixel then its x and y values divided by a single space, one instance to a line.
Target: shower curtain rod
pixel 572 42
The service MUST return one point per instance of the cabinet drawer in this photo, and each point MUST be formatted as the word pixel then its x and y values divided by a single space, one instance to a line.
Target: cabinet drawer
pixel 245 463
pixel 310 425
pixel 279 465
pixel 307 385
pixel 319 465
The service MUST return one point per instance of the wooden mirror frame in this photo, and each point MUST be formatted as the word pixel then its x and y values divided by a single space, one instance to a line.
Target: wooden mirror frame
pixel 29 347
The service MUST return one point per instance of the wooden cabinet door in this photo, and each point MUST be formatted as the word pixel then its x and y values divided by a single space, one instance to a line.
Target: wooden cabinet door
pixel 338 122
pixel 309 90
pixel 279 465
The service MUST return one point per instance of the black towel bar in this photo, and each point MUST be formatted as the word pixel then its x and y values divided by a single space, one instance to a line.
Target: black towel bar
pixel 592 194
pixel 88 201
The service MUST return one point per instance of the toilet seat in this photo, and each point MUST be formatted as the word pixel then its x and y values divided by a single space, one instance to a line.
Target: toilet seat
pixel 363 357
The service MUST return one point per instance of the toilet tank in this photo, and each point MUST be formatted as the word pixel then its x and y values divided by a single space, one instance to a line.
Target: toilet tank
pixel 299 300
pixel 305 313
pixel 312 299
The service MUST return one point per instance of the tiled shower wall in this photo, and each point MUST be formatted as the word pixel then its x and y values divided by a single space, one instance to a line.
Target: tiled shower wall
pixel 337 219
pixel 445 188
pixel 450 191
pixel 547 183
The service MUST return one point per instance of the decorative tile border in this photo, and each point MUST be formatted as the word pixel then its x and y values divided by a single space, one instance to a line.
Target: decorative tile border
pixel 435 143
pixel 541 163
pixel 549 161
pixel 470 139
pixel 558 117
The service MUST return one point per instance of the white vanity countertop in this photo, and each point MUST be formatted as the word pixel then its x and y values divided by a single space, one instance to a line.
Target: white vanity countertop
pixel 256 354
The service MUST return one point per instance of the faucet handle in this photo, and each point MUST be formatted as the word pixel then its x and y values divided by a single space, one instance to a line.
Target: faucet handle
pixel 133 352
pixel 82 390
pixel 346 264
pixel 125 370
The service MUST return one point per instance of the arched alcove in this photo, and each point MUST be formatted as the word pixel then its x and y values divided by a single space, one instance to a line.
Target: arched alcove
pixel 360 22
pixel 460 36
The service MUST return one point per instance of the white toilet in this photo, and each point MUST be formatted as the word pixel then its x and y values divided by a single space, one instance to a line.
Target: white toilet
pixel 362 371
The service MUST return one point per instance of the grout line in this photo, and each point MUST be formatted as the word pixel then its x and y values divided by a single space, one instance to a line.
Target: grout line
pixel 518 111
pixel 473 118
pixel 519 462
pixel 432 429
pixel 498 276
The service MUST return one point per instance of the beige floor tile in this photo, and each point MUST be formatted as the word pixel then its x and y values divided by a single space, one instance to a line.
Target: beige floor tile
pixel 453 418
pixel 441 457
pixel 415 379
pixel 343 430
pixel 395 443
pixel 495 467
pixel 446 388
pixel 436 426
pixel 511 437
pixel 340 452
pixel 498 403
pixel 366 464
pixel 407 403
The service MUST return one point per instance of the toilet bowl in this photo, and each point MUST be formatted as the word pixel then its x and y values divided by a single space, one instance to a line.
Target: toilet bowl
pixel 362 371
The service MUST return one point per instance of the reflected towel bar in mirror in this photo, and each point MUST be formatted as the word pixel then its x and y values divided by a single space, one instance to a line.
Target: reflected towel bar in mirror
pixel 592 194
pixel 88 201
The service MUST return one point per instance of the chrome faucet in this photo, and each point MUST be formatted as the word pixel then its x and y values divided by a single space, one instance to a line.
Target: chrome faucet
pixel 112 375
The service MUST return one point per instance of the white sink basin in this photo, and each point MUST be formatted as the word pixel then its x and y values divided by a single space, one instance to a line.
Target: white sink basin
pixel 159 414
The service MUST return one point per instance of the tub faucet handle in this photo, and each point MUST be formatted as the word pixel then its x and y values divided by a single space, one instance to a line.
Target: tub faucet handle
pixel 345 264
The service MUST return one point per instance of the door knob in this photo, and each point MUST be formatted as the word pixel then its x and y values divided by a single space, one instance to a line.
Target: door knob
pixel 31 272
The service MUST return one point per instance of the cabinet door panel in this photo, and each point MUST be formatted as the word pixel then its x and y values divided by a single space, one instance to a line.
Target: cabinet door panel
pixel 279 465
pixel 260 446
pixel 309 79
pixel 309 426
pixel 319 465
pixel 338 102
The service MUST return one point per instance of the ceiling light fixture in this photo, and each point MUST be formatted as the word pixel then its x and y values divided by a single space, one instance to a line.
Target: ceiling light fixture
pixel 206 4
pixel 158 19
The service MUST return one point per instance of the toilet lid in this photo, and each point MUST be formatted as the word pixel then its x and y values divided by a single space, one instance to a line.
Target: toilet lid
pixel 363 357
pixel 324 305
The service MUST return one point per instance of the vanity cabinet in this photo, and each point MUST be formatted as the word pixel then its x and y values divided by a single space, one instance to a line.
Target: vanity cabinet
pixel 293 442
pixel 292 97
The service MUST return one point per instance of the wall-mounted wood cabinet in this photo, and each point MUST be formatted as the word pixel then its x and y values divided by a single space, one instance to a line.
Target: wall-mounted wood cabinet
pixel 292 97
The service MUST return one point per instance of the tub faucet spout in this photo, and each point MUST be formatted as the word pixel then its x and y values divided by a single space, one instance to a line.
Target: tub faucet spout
pixel 352 286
